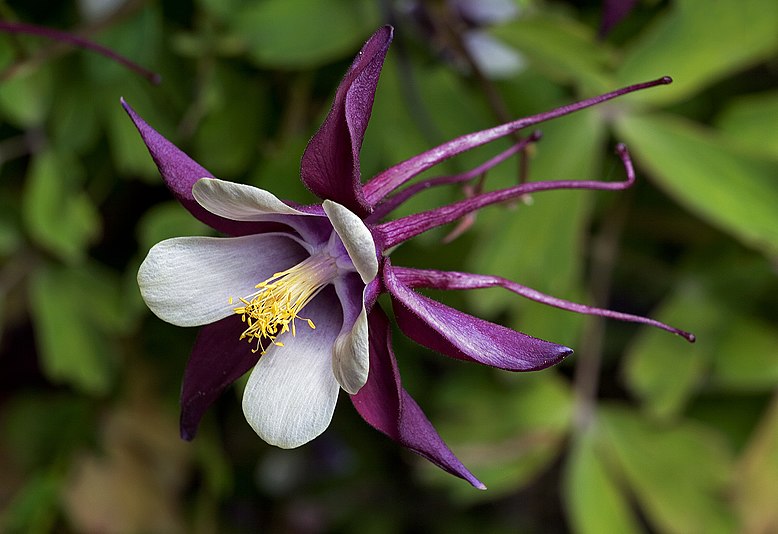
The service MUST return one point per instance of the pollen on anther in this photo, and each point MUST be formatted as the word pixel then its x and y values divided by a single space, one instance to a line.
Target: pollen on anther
pixel 273 309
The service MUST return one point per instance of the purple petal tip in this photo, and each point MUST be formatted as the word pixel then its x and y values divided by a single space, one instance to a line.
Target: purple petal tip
pixel 666 80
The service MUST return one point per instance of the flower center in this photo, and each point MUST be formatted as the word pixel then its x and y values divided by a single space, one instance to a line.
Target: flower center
pixel 278 301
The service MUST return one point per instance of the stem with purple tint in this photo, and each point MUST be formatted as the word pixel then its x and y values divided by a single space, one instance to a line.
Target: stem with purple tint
pixel 65 37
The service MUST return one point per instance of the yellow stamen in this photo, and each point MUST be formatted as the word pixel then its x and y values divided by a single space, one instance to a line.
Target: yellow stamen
pixel 272 310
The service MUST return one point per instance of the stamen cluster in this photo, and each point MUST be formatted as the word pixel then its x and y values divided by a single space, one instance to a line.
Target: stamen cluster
pixel 273 309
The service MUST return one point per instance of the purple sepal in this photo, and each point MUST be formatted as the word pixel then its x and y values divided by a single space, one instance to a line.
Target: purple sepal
pixel 330 164
pixel 180 173
pixel 464 337
pixel 448 280
pixel 386 406
pixel 218 359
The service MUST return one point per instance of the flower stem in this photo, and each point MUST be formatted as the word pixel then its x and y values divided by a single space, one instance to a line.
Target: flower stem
pixel 74 40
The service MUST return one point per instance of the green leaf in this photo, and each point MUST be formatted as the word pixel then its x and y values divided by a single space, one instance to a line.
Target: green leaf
pixel 137 37
pixel 69 307
pixel 25 98
pixel 750 122
pixel 704 173
pixel 279 171
pixel 755 489
pixel 663 370
pixel 294 34
pixel 564 48
pixel 595 501
pixel 505 452
pixel 59 215
pixel 10 238
pixel 74 123
pixel 678 473
pixel 698 42
pixel 226 140
pixel 746 356
pixel 34 508
pixel 167 220
pixel 33 434
pixel 734 351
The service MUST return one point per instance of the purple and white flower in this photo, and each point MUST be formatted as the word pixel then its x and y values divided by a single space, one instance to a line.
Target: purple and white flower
pixel 291 294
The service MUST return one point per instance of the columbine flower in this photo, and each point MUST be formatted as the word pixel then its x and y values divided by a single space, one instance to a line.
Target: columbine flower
pixel 292 293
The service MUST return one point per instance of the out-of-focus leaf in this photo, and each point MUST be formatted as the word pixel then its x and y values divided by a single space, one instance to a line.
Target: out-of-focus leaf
pixel 224 9
pixel 734 416
pixel 698 42
pixel 746 356
pixel 9 238
pixel 678 473
pixel 167 220
pixel 137 37
pixel 506 451
pixel 226 140
pixel 751 123
pixel 279 171
pixel 755 489
pixel 660 369
pixel 132 485
pixel 734 351
pixel 74 122
pixel 70 332
pixel 564 48
pixel 705 174
pixel 25 98
pixel 540 244
pixel 34 507
pixel 34 436
pixel 596 504
pixel 293 34
pixel 217 474
pixel 59 215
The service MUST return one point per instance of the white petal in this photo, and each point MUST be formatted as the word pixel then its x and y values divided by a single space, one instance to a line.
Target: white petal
pixel 239 202
pixel 291 393
pixel 188 281
pixel 356 238
pixel 351 356
pixel 351 353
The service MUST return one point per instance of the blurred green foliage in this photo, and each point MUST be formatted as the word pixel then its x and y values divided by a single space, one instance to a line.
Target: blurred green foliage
pixel 637 432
